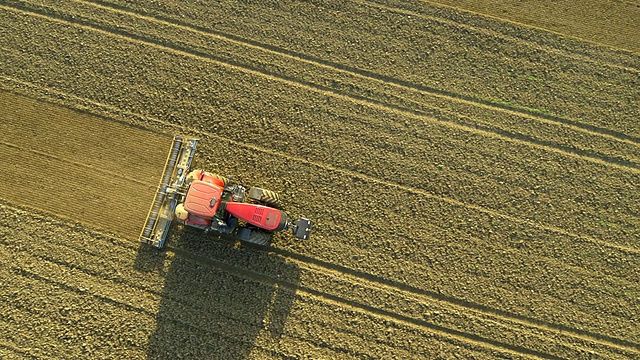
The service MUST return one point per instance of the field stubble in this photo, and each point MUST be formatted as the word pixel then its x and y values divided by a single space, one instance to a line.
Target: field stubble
pixel 491 211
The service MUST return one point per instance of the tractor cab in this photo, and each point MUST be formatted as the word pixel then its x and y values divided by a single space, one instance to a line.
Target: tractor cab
pixel 202 200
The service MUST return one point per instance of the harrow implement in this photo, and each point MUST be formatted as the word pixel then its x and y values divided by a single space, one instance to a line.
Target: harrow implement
pixel 169 192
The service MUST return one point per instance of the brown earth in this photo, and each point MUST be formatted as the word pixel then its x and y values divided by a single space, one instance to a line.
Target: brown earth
pixel 613 22
pixel 474 183
pixel 85 168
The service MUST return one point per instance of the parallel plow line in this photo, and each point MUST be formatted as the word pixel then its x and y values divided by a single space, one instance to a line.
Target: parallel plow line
pixel 372 282
pixel 100 296
pixel 390 8
pixel 61 285
pixel 497 34
pixel 232 143
pixel 368 75
pixel 80 288
pixel 75 163
pixel 112 302
pixel 452 334
pixel 340 68
pixel 375 283
pixel 488 131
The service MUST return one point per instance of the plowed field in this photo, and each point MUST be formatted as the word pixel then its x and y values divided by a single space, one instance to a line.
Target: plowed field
pixel 474 181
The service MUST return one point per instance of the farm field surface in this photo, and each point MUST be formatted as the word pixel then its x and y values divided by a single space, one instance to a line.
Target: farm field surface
pixel 474 182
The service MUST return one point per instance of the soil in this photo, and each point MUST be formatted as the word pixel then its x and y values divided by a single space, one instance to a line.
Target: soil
pixel 473 181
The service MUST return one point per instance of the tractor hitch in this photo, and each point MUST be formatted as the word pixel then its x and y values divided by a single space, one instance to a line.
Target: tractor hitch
pixel 301 228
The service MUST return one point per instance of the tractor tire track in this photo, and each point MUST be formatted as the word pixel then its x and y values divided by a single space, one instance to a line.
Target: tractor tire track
pixel 580 49
pixel 574 26
pixel 143 120
pixel 114 297
pixel 422 296
pixel 484 129
pixel 363 236
pixel 82 290
pixel 364 74
pixel 370 281
pixel 337 272
pixel 189 12
pixel 80 287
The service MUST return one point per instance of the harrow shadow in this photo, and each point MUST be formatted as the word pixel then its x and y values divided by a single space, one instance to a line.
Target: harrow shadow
pixel 218 297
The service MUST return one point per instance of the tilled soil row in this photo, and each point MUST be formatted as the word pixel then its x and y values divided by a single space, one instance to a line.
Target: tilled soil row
pixel 111 313
pixel 85 293
pixel 265 116
pixel 559 134
pixel 432 241
pixel 426 51
pixel 379 267
pixel 608 23
pixel 363 292
pixel 406 307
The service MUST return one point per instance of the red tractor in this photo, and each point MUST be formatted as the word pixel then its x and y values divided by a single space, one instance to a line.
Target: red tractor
pixel 214 203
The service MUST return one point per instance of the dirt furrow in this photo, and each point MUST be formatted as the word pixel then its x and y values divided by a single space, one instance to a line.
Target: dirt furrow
pixel 279 109
pixel 473 182
pixel 209 152
pixel 561 135
pixel 91 267
pixel 411 309
pixel 377 330
pixel 429 310
pixel 443 49
pixel 368 301
pixel 206 151
pixel 367 246
pixel 418 307
pixel 609 23
pixel 63 321
pixel 178 313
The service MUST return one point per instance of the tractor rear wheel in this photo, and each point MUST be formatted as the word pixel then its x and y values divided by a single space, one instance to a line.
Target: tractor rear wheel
pixel 254 236
pixel 264 196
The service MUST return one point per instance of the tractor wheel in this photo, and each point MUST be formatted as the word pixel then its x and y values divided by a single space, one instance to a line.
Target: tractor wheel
pixel 224 179
pixel 255 236
pixel 265 196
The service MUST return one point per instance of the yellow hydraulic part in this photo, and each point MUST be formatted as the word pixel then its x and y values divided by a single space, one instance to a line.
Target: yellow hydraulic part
pixel 181 213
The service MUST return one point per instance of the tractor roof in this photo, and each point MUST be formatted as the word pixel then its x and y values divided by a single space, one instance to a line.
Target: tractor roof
pixel 203 199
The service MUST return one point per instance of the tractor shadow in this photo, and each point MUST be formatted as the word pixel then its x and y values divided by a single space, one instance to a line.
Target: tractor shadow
pixel 218 297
